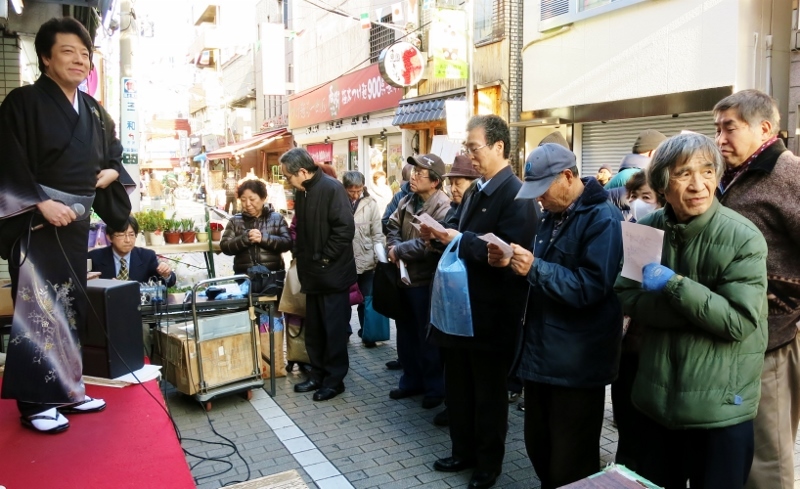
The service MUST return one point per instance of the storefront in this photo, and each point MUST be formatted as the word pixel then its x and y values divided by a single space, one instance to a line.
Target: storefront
pixel 348 123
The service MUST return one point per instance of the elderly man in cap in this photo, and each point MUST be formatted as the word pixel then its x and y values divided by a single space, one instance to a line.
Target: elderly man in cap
pixel 643 149
pixel 423 372
pixel 477 367
pixel 573 325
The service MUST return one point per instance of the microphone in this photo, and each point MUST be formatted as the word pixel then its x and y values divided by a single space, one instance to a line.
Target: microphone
pixel 77 208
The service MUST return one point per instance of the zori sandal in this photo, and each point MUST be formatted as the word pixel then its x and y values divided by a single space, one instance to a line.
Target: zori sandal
pixel 88 405
pixel 50 422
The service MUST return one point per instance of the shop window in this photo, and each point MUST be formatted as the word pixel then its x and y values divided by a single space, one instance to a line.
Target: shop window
pixel 380 37
pixel 489 20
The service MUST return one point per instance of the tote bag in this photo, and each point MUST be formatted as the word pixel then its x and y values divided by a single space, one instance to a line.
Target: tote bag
pixel 292 300
pixel 376 325
pixel 451 312
pixel 386 292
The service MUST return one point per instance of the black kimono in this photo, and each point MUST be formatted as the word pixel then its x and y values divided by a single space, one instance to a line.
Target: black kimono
pixel 48 150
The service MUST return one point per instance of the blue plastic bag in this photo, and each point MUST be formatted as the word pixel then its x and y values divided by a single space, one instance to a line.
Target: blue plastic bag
pixel 376 325
pixel 451 312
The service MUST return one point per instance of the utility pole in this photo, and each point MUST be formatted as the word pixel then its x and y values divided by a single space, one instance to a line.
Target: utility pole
pixel 470 59
pixel 129 111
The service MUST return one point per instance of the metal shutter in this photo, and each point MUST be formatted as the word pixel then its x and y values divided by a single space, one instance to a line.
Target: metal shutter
pixel 608 143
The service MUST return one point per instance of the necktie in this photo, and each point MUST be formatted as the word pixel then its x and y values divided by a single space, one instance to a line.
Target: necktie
pixel 123 269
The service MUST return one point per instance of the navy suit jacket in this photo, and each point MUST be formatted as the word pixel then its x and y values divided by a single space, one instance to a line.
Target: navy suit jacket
pixel 141 268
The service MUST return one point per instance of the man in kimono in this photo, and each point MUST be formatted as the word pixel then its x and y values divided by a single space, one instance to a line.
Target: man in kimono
pixel 60 156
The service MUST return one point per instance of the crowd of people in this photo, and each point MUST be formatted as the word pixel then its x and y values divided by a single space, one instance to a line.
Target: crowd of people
pixel 702 351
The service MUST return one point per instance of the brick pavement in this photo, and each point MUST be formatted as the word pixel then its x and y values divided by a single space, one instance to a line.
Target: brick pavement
pixel 361 439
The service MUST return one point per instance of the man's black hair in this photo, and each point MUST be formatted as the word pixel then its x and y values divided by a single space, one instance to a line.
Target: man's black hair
pixel 495 129
pixel 46 37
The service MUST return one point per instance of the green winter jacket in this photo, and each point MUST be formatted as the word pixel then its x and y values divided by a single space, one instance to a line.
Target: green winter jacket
pixel 705 335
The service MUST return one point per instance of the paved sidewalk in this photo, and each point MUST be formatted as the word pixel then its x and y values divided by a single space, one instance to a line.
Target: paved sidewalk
pixel 360 439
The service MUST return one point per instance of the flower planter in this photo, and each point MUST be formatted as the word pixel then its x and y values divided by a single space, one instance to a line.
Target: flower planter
pixel 216 235
pixel 176 298
pixel 202 237
pixel 171 237
pixel 155 238
pixel 188 236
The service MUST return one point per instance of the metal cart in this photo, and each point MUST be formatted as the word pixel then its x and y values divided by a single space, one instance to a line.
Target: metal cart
pixel 245 383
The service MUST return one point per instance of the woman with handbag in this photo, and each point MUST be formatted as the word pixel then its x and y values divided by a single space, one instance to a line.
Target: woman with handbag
pixel 258 235
pixel 367 216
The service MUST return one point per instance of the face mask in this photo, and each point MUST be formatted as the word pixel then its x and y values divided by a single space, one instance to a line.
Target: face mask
pixel 640 208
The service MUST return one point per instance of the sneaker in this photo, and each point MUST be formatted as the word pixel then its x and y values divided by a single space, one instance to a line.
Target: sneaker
pixel 521 405
pixel 512 397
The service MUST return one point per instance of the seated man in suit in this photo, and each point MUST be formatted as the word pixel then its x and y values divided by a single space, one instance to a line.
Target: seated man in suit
pixel 123 261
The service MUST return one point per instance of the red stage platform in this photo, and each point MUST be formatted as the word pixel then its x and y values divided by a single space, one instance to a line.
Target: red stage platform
pixel 131 444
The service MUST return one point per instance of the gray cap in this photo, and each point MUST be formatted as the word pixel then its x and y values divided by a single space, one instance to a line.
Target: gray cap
pixel 542 167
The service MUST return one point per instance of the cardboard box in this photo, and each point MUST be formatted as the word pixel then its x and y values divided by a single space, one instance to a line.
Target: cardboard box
pixel 225 360
pixel 6 304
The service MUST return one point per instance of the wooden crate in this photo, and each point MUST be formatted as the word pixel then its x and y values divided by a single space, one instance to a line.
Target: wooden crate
pixel 225 360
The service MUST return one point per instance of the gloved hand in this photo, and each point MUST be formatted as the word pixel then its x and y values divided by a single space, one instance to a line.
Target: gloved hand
pixel 655 277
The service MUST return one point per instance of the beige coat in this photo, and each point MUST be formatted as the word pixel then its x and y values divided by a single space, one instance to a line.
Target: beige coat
pixel 368 233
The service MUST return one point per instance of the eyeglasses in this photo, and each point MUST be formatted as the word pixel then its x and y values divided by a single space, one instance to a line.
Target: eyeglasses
pixel 418 174
pixel 124 235
pixel 472 151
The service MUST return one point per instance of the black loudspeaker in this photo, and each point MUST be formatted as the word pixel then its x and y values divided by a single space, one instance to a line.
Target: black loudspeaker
pixel 111 342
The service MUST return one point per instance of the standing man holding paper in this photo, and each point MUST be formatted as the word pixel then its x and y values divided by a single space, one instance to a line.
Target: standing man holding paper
pixel 477 367
pixel 702 310
pixel 573 325
pixel 422 364
pixel 762 182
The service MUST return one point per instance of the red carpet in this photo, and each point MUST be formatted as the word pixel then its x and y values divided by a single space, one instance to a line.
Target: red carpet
pixel 130 444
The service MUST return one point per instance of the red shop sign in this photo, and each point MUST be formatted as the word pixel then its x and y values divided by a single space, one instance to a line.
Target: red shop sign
pixel 321 153
pixel 356 93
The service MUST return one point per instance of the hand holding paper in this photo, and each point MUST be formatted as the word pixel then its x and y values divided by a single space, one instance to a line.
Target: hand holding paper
pixel 641 246
pixel 504 247
pixel 521 261
pixel 432 223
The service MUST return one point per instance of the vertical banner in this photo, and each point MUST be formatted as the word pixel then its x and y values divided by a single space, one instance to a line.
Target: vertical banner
pixel 397 12
pixel 413 11
pixel 365 23
pixel 129 123
pixel 273 59
pixel 456 115
pixel 448 44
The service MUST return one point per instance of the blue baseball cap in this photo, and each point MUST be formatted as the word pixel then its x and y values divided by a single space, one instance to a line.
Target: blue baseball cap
pixel 542 167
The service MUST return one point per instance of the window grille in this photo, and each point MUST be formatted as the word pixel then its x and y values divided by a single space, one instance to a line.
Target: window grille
pixel 380 37
pixel 489 20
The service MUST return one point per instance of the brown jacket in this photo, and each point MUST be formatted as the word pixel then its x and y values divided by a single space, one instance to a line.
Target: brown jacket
pixel 768 194
pixel 420 260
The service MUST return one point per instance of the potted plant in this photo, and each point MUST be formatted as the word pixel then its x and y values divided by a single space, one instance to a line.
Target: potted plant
pixel 176 295
pixel 202 236
pixel 172 230
pixel 216 231
pixel 187 230
pixel 151 223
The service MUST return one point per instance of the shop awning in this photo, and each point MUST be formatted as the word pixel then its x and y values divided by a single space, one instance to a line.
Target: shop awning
pixel 236 149
pixel 413 112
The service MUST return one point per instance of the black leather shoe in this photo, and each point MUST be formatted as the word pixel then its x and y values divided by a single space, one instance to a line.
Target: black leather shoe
pixel 430 402
pixel 369 344
pixel 482 479
pixel 327 393
pixel 442 419
pixel 394 365
pixel 307 386
pixel 452 464
pixel 403 393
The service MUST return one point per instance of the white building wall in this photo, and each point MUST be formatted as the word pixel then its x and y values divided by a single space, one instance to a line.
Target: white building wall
pixel 654 48
pixel 331 45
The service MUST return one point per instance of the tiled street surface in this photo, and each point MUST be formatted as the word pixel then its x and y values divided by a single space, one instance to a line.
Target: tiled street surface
pixel 361 439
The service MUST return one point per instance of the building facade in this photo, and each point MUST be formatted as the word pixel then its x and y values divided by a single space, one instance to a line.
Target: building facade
pixel 600 71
